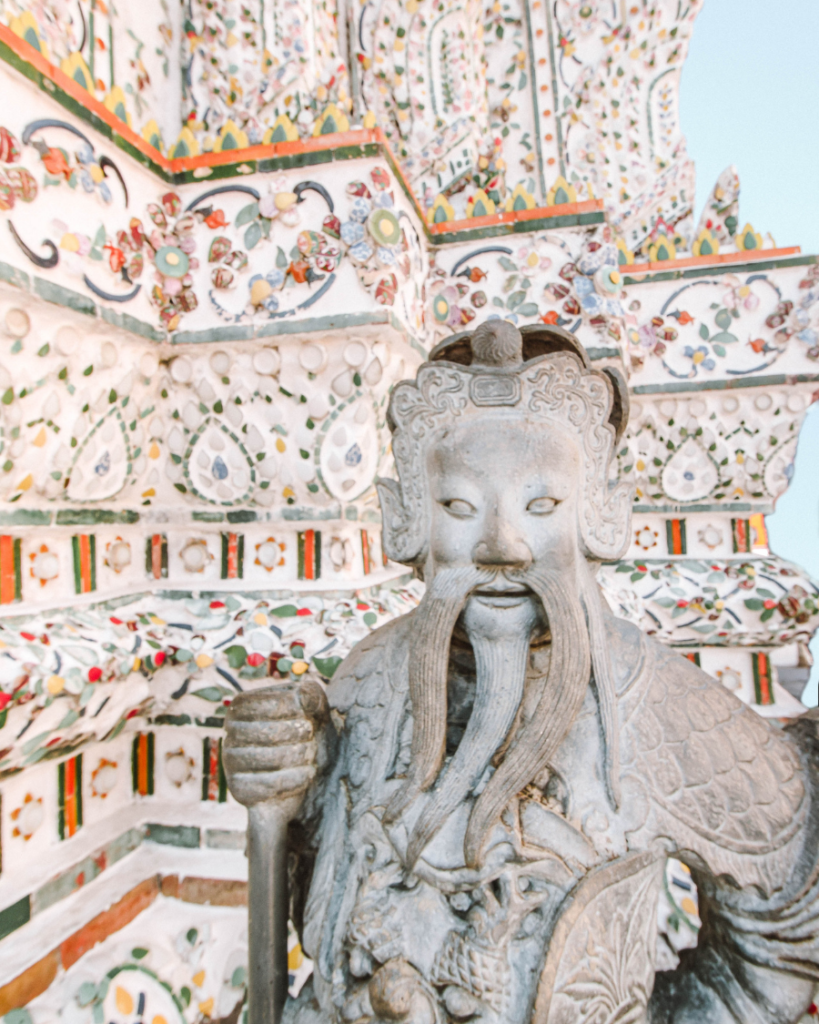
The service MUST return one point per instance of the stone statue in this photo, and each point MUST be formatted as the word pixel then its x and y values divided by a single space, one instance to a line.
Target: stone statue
pixel 485 801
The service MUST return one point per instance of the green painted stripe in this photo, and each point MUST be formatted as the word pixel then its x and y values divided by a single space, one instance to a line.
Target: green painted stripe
pixel 317 552
pixel 61 799
pixel 713 506
pixel 205 766
pixel 18 569
pixel 59 296
pixel 150 773
pixel 301 556
pixel 92 558
pixel 78 787
pixel 236 332
pixel 92 43
pixel 11 275
pixel 732 384
pixel 75 548
pixel 240 556
pixel 94 516
pixel 718 269
pixel 187 836
pixel 25 517
pixel 242 515
pixel 135 765
pixel 15 916
pixel 333 321
pixel 571 220
pixel 131 324
pixel 225 544
pixel 222 777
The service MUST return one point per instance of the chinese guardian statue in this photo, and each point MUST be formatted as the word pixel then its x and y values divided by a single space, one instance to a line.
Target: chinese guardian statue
pixel 483 803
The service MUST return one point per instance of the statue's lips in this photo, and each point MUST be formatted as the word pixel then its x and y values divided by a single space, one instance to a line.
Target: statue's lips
pixel 503 594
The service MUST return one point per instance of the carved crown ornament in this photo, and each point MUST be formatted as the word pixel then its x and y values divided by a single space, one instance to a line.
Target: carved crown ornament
pixel 540 375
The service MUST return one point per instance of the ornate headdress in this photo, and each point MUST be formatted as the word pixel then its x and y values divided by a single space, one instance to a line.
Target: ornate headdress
pixel 544 373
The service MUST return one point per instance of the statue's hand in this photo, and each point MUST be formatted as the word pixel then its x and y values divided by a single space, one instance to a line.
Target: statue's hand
pixel 270 747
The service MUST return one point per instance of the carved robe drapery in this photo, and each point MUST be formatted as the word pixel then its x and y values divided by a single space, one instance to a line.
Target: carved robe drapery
pixel 560 927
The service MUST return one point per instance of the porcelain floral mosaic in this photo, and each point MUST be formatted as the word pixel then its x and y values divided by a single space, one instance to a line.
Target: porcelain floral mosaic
pixel 228 231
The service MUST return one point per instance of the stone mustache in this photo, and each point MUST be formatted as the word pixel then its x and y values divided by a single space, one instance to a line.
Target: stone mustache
pixel 482 804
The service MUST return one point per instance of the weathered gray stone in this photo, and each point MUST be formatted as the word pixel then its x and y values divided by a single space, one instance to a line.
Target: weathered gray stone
pixel 484 818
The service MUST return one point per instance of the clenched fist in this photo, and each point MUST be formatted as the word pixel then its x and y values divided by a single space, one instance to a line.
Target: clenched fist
pixel 271 745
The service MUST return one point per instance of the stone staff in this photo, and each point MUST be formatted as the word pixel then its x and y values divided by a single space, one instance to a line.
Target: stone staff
pixel 270 756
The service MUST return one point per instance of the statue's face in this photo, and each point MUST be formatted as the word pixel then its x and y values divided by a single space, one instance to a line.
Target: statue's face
pixel 504 496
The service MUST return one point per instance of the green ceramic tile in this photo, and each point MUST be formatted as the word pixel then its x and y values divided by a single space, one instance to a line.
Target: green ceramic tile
pixel 25 517
pixel 60 296
pixel 94 516
pixel 131 324
pixel 242 516
pixel 223 839
pixel 11 275
pixel 15 916
pixel 173 835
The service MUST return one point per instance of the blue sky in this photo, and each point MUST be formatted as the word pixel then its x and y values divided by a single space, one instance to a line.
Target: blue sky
pixel 750 97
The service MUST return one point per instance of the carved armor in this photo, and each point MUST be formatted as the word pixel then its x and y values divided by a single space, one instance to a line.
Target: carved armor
pixel 559 926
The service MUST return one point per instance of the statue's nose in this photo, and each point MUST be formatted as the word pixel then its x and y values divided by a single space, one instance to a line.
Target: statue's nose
pixel 501 546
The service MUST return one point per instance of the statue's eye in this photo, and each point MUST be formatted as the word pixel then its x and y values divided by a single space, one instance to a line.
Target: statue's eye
pixel 459 507
pixel 541 506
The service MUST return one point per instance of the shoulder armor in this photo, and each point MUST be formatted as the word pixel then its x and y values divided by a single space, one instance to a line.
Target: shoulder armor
pixel 709 762
pixel 370 666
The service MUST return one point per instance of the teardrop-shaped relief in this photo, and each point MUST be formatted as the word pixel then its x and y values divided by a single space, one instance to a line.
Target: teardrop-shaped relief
pixel 350 450
pixel 217 465
pixel 102 463
pixel 690 473
pixel 779 468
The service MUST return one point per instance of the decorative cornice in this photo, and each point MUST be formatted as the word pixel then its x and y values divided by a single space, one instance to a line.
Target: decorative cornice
pixel 279 156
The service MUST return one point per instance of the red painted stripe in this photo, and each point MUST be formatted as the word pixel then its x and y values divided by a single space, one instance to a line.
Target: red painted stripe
pixel 70 796
pixel 764 679
pixel 142 764
pixel 213 769
pixel 85 563
pixel 156 555
pixel 309 554
pixel 233 556
pixel 7 573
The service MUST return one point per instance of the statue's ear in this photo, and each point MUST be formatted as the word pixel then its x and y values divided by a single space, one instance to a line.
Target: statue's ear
pixel 618 417
pixel 605 515
pixel 402 531
pixel 605 521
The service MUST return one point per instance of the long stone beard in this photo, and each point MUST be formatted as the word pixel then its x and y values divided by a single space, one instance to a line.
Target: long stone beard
pixel 435 620
pixel 572 604
pixel 500 642
pixel 556 705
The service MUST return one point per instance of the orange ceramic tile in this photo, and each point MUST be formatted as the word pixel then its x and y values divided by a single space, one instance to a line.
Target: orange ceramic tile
pixel 30 984
pixel 706 261
pixel 109 921
pixel 218 892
